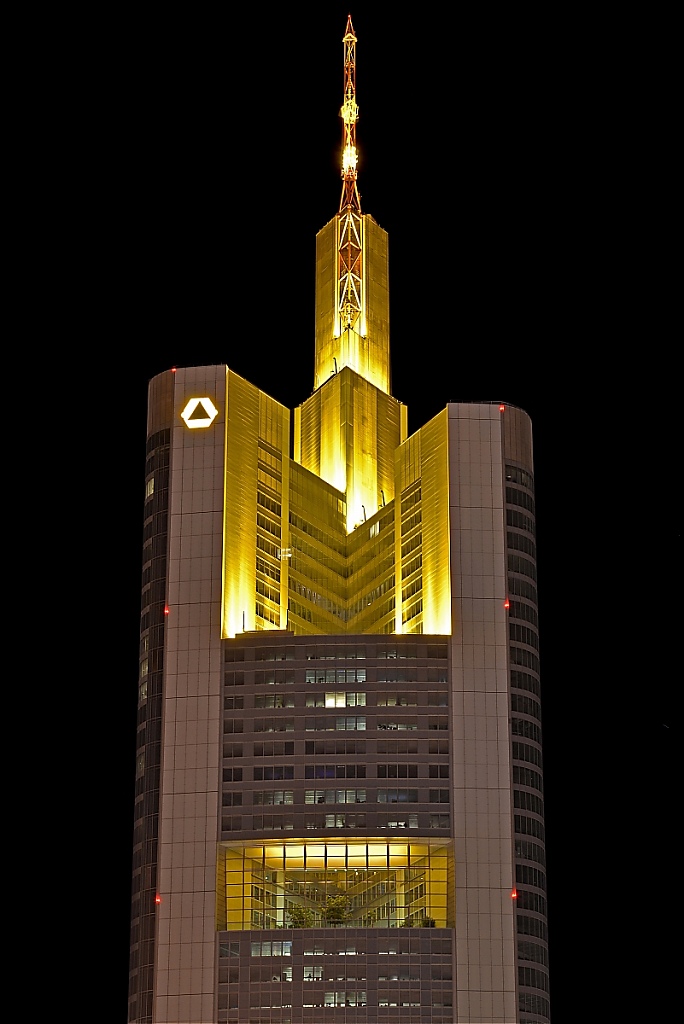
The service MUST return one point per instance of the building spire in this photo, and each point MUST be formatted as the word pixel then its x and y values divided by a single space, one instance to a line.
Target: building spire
pixel 349 113
pixel 350 285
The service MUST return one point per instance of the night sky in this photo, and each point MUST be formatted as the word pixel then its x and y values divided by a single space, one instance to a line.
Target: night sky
pixel 508 168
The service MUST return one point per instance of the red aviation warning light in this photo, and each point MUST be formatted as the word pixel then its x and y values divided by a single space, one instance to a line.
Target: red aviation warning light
pixel 514 894
pixel 157 898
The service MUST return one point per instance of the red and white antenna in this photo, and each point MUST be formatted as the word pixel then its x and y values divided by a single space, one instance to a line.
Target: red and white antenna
pixel 349 112
pixel 350 297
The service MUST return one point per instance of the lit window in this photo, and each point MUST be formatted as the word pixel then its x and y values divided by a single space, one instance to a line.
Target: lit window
pixel 273 796
pixel 342 700
pixel 335 796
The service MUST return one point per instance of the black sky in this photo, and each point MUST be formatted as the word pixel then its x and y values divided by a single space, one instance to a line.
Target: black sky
pixel 512 164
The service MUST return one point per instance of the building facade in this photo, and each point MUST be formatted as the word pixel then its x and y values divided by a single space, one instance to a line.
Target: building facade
pixel 339 798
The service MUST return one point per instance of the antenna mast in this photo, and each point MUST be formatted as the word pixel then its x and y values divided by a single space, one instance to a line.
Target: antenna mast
pixel 350 239
pixel 349 114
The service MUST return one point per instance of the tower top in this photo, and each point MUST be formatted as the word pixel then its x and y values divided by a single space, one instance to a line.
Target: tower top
pixel 349 113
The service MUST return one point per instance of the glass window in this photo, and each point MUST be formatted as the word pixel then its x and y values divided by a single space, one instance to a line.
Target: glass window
pixel 338 699
pixel 271 885
pixel 273 796
pixel 313 973
pixel 342 724
pixel 397 771
pixel 274 773
pixel 394 796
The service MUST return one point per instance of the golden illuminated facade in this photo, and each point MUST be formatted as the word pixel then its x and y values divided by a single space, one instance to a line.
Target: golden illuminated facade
pixel 339 809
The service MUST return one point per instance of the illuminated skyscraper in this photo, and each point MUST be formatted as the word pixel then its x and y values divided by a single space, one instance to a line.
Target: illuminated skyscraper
pixel 339 806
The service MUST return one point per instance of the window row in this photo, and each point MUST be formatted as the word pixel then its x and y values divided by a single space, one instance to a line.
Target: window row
pixel 525 705
pixel 438 947
pixel 527 850
pixel 525 612
pixel 349 723
pixel 525 925
pixel 528 802
pixel 522 588
pixel 520 542
pixel 278 797
pixel 523 727
pixel 340 699
pixel 523 566
pixel 519 520
pixel 527 777
pixel 528 659
pixel 516 475
pixel 524 681
pixel 523 635
pixel 401 771
pixel 529 1003
pixel 338 675
pixel 282 822
pixel 528 826
pixel 533 951
pixel 279 748
pixel 531 901
pixel 530 977
pixel 335 796
pixel 335 771
pixel 279 772
pixel 524 752
pixel 519 498
pixel 527 875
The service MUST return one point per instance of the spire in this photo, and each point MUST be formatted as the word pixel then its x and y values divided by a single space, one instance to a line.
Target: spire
pixel 349 113
pixel 350 291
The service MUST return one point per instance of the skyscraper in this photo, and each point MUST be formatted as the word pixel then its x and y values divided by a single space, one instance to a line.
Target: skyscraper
pixel 336 613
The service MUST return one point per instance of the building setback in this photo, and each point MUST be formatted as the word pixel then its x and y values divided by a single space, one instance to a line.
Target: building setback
pixel 339 799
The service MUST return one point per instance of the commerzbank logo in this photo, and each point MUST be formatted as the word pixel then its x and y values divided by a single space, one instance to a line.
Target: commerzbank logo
pixel 199 412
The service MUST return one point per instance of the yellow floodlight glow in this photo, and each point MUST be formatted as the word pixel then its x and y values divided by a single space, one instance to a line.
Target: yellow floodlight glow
pixel 334 868
pixel 349 159
pixel 192 413
pixel 355 513
pixel 349 111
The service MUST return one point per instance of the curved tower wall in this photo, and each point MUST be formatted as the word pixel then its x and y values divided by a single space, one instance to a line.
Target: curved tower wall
pixel 479 713
pixel 150 698
pixel 526 726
